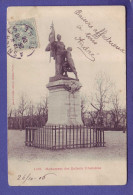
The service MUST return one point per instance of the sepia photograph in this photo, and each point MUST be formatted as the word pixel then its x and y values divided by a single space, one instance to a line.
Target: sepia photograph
pixel 66 91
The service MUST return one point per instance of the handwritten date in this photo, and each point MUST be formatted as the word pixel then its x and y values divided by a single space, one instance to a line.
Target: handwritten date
pixel 29 177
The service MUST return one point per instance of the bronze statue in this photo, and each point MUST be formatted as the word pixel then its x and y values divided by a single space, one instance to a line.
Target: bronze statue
pixel 63 59
pixel 69 66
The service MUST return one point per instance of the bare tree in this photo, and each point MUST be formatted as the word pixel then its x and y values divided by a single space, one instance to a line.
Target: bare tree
pixel 45 106
pixel 30 109
pixel 39 108
pixel 23 105
pixel 117 113
pixel 101 97
pixel 30 112
pixel 84 107
pixel 10 111
pixel 42 111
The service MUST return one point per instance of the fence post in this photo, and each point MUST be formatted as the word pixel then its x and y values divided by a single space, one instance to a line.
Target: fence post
pixel 96 137
pixel 29 137
pixel 39 137
pixel 103 138
pixel 33 137
pixel 73 136
pixel 52 137
pixel 83 138
pixel 90 136
pixel 70 137
pixel 93 137
pixel 59 137
pixel 55 136
pixel 66 136
pixel 26 136
pixel 43 137
pixel 62 136
pixel 100 138
pixel 77 136
pixel 80 136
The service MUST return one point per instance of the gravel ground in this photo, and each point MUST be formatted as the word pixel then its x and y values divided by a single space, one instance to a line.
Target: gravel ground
pixel 36 162
pixel 115 149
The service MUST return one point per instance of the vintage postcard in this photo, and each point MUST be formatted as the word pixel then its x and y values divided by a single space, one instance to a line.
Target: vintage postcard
pixel 66 76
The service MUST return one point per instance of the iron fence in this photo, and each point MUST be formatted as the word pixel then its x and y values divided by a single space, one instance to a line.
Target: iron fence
pixel 63 137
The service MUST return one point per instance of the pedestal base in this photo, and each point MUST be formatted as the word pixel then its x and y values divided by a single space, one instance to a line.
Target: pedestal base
pixel 64 104
pixel 60 77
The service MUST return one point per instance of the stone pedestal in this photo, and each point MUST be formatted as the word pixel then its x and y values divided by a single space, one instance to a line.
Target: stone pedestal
pixel 64 103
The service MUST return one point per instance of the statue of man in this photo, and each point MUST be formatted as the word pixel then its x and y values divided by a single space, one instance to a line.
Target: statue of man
pixel 57 51
pixel 59 54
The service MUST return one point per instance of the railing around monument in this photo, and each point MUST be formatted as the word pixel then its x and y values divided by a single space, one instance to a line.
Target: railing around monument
pixel 63 137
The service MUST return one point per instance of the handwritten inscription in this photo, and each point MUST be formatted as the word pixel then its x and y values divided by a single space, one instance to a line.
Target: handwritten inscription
pixel 29 177
pixel 85 49
pixel 32 177
pixel 93 37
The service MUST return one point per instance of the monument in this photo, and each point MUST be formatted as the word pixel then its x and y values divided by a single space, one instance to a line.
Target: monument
pixel 64 104
pixel 64 128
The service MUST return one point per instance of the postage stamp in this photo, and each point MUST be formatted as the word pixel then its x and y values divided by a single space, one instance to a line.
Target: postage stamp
pixel 22 38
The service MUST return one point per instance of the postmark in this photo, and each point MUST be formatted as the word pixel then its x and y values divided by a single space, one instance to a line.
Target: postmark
pixel 22 39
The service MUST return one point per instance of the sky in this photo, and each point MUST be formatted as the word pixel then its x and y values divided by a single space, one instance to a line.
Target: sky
pixel 31 74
